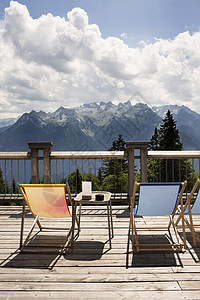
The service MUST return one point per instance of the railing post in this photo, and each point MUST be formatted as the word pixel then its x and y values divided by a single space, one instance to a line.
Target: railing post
pixel 130 153
pixel 131 169
pixel 47 164
pixel 35 147
pixel 34 165
pixel 143 162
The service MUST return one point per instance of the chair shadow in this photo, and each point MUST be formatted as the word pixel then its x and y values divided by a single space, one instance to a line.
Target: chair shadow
pixel 124 214
pixel 40 253
pixel 17 214
pixel 193 250
pixel 86 251
pixel 151 258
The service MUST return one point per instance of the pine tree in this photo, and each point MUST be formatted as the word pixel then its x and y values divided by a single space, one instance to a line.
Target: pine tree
pixel 14 187
pixel 75 181
pixel 154 140
pixel 115 166
pixel 100 176
pixel 153 164
pixel 168 138
pixel 114 170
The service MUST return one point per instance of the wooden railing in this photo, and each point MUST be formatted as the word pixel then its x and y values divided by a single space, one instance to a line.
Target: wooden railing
pixel 135 151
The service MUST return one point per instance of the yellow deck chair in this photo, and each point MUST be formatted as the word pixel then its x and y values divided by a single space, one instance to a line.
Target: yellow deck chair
pixel 47 200
pixel 158 199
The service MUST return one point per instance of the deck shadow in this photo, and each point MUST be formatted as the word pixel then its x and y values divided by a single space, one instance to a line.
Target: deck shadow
pixel 42 252
pixel 193 250
pixel 17 214
pixel 151 258
pixel 124 214
pixel 86 251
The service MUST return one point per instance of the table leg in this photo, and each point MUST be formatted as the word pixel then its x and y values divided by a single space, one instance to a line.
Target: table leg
pixel 109 230
pixel 73 225
pixel 79 216
pixel 111 219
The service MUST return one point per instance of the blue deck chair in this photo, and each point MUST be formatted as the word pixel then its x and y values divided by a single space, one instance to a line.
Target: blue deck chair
pixel 192 209
pixel 158 199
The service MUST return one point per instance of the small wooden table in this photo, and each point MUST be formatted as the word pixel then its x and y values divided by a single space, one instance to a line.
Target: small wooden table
pixel 106 201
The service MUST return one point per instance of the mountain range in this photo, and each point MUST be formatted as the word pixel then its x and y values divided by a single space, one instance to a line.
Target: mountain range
pixel 94 126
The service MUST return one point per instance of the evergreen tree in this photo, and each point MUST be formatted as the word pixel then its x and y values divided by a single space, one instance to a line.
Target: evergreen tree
pixel 153 164
pixel 93 178
pixel 115 184
pixel 168 138
pixel 154 140
pixel 75 181
pixel 115 166
pixel 114 169
pixel 100 176
pixel 14 187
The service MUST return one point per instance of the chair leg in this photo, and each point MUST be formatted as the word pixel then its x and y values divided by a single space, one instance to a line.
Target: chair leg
pixel 132 228
pixel 192 226
pixel 185 221
pixel 73 225
pixel 132 224
pixel 136 236
pixel 22 225
pixel 68 243
pixel 132 236
pixel 79 216
pixel 179 244
pixel 29 234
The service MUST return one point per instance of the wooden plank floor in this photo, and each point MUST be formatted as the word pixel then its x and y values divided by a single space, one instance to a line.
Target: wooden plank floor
pixel 93 271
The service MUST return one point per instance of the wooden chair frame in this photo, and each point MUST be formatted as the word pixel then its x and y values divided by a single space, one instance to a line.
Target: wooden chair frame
pixel 24 242
pixel 180 246
pixel 190 224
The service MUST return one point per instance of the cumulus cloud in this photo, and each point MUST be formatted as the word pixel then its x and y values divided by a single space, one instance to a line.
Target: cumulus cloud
pixel 53 61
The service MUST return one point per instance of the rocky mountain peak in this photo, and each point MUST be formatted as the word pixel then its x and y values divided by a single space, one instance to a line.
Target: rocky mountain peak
pixel 94 126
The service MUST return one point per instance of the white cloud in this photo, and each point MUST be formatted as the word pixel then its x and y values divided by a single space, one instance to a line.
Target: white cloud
pixel 124 35
pixel 53 61
pixel 78 18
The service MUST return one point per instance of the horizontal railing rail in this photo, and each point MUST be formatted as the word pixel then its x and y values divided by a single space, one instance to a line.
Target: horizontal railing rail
pixel 54 166
pixel 67 155
pixel 14 155
pixel 102 154
pixel 173 154
pixel 86 154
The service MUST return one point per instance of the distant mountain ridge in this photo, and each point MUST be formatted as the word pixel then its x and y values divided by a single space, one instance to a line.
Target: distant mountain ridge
pixel 94 126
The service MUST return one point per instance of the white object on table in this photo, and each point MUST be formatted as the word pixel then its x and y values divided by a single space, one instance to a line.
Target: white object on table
pixel 87 188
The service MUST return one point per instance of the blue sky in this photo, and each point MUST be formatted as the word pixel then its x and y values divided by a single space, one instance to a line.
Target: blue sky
pixel 98 50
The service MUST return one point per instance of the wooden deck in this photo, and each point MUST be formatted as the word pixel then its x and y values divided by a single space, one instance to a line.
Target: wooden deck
pixel 93 271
